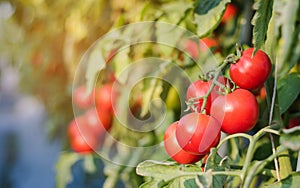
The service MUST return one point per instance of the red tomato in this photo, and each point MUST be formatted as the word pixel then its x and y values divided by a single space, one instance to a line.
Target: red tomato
pixel 197 133
pixel 229 13
pixel 262 94
pixel 105 97
pixel 81 98
pixel 82 140
pixel 250 73
pixel 204 44
pixel 237 111
pixel 98 122
pixel 174 150
pixel 294 122
pixel 199 88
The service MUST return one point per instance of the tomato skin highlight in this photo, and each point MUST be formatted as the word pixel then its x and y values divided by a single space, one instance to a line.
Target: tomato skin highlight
pixel 197 133
pixel 250 73
pixel 174 150
pixel 237 112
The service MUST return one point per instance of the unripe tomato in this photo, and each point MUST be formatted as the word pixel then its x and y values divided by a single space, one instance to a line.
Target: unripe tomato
pixel 197 133
pixel 81 98
pixel 229 13
pixel 251 72
pixel 199 88
pixel 174 150
pixel 82 139
pixel 105 97
pixel 237 112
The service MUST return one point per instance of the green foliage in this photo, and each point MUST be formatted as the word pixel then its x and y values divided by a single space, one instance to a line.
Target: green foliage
pixel 69 28
pixel 63 168
pixel 261 22
pixel 208 14
pixel 288 91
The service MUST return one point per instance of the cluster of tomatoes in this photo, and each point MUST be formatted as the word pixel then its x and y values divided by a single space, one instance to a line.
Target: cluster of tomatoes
pixel 229 106
pixel 87 131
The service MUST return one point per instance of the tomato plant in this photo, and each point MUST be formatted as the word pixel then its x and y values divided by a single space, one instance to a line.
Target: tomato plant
pixel 139 49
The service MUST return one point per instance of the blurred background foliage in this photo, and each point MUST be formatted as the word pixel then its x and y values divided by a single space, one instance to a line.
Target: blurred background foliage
pixel 45 40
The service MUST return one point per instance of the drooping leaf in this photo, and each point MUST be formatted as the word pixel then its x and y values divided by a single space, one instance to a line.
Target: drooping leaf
pixel 292 181
pixel 63 168
pixel 164 170
pixel 288 90
pixel 260 22
pixel 208 14
pixel 290 138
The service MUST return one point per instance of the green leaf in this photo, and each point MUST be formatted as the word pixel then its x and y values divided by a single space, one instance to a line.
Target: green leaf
pixel 63 168
pixel 216 163
pixel 292 181
pixel 288 20
pixel 190 183
pixel 290 138
pixel 95 63
pixel 206 180
pixel 260 21
pixel 208 14
pixel 165 170
pixel 288 90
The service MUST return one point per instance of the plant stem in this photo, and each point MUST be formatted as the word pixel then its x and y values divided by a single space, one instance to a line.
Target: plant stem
pixel 216 75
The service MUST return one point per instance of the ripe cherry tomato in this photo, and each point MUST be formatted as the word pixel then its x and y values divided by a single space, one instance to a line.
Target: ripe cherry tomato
pixel 105 97
pixel 98 122
pixel 199 88
pixel 237 111
pixel 204 44
pixel 82 140
pixel 250 73
pixel 174 150
pixel 81 98
pixel 229 13
pixel 197 133
pixel 294 122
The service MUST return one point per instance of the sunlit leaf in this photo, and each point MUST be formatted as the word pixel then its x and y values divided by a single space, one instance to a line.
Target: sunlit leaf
pixel 292 181
pixel 261 21
pixel 164 170
pixel 208 14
